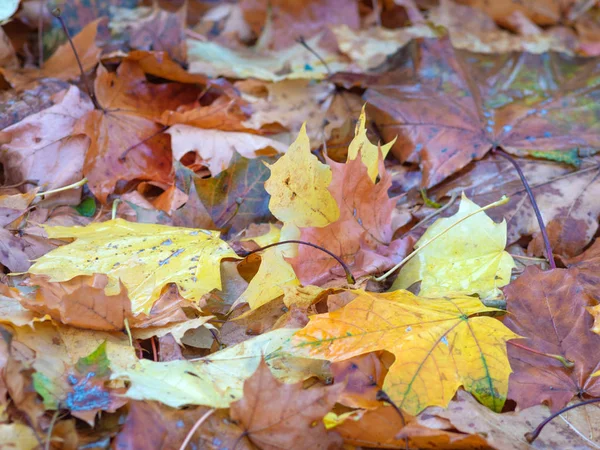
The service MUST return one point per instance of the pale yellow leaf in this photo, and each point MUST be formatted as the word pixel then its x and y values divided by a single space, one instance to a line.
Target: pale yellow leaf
pixel 469 258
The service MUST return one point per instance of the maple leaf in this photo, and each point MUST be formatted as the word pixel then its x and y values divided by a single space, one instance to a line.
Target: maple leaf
pixel 82 388
pixel 237 197
pixel 369 153
pixel 509 430
pixel 171 426
pixel 143 257
pixel 39 143
pixel 81 302
pixel 125 143
pixel 469 259
pixel 439 344
pixel 548 309
pixel 587 269
pixel 215 380
pixel 219 148
pixel 151 29
pixel 289 20
pixel 560 190
pixel 275 415
pixel 298 187
pixel 63 63
pixel 360 236
pixel 452 110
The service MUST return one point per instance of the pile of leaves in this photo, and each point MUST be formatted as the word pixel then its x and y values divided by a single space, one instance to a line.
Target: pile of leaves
pixel 281 224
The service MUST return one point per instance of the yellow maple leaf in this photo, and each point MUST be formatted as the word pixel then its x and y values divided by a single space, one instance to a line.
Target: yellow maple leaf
pixel 298 187
pixel 145 257
pixel 469 259
pixel 369 152
pixel 273 275
pixel 439 344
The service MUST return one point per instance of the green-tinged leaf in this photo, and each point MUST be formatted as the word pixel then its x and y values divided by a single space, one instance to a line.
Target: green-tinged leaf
pixel 87 208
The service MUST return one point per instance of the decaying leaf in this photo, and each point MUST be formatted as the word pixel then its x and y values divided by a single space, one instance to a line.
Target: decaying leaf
pixel 144 257
pixel 439 344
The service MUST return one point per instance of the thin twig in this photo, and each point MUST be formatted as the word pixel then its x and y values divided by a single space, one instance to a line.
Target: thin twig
pixel 304 44
pixel 437 212
pixel 199 422
pixel 534 205
pixel 86 81
pixel 349 277
pixel 532 436
pixel 51 429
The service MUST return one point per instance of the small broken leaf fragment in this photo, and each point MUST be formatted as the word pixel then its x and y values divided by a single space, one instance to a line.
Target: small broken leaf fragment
pixel 468 259
pixel 439 344
pixel 275 415
pixel 369 152
pixel 298 187
pixel 145 257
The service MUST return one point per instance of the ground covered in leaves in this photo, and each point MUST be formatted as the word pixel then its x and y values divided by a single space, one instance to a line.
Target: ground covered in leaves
pixel 280 224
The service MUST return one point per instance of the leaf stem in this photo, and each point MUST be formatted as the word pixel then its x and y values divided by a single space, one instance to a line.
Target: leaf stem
pixel 532 436
pixel 568 364
pixel 304 44
pixel 349 277
pixel 382 396
pixel 502 201
pixel 534 204
pixel 64 188
pixel 86 82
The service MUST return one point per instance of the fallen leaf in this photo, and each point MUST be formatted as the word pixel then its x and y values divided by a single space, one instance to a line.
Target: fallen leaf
pixel 18 436
pixel 548 310
pixel 41 143
pixel 470 258
pixel 587 269
pixel 82 388
pixel 217 149
pixel 151 28
pixel 171 426
pixel 237 197
pixel 444 123
pixel 440 344
pixel 275 415
pixel 214 60
pixel 143 257
pixel 80 302
pixel 125 144
pixel 574 429
pixel 544 12
pixel 273 276
pixel 215 380
pixel 177 330
pixel 291 20
pixel 292 103
pixel 369 153
pixel 298 187
pixel 360 236
pixel 362 377
pixel 63 64
pixel 13 252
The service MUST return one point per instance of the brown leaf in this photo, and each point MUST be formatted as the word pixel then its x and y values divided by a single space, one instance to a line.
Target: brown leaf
pixel 150 426
pixel 125 145
pixel 577 428
pixel 80 302
pixel 13 252
pixel 588 268
pixel 63 63
pixel 292 19
pixel 41 144
pixel 448 107
pixel 568 237
pixel 275 415
pixel 361 236
pixel 549 310
pixel 362 377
